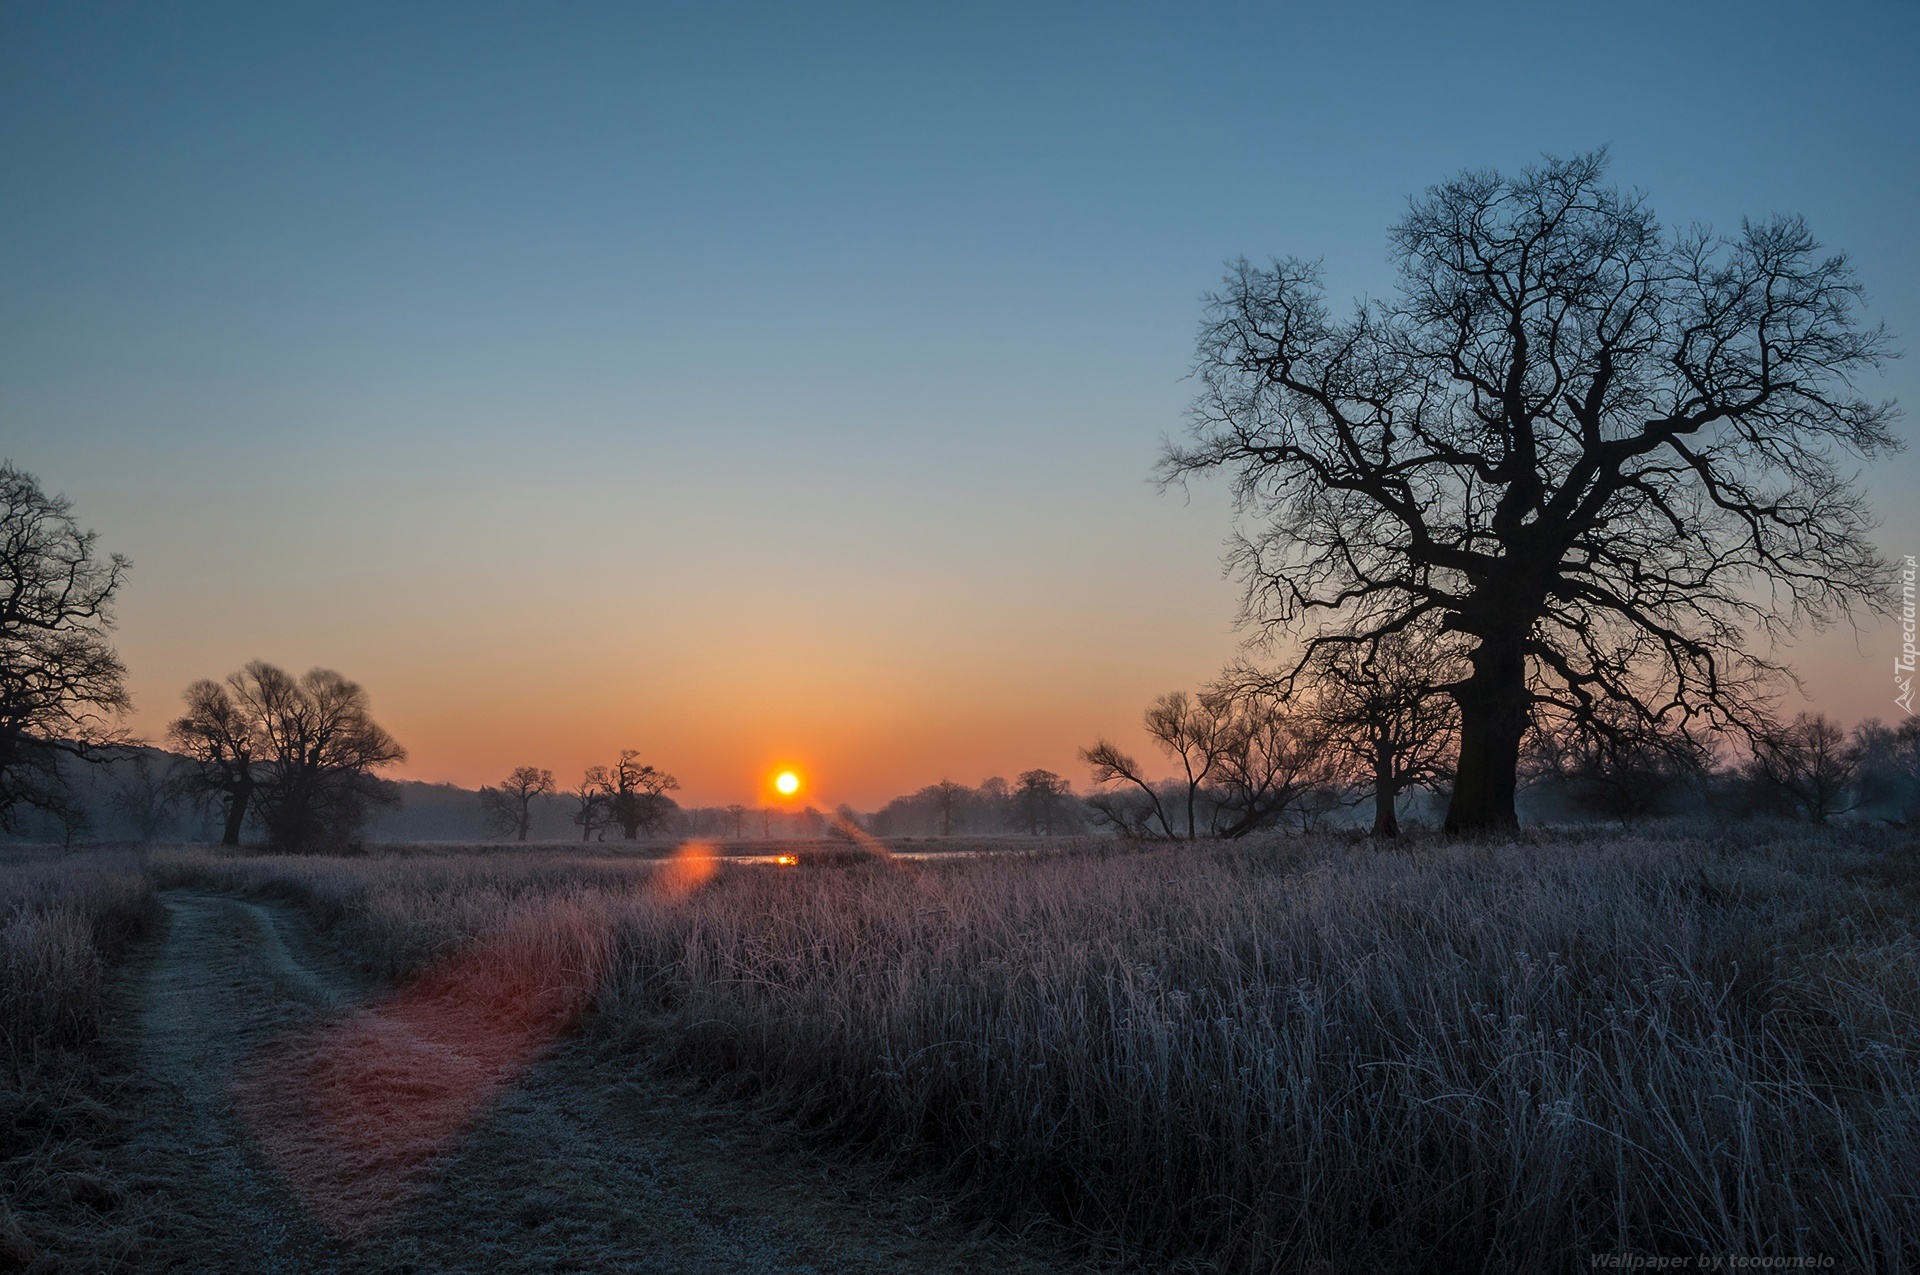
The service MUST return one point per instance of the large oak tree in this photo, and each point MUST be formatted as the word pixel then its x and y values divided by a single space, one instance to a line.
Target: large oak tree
pixel 62 686
pixel 636 796
pixel 1603 457
pixel 299 755
pixel 508 808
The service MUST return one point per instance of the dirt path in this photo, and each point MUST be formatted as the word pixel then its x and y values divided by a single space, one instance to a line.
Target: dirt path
pixel 581 1163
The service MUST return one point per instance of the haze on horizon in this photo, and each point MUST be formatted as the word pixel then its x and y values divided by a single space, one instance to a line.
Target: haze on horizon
pixel 760 388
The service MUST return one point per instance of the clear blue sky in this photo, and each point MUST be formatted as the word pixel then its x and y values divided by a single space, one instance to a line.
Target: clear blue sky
pixel 752 383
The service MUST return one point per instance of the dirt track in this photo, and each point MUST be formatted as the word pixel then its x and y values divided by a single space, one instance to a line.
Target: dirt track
pixel 580 1163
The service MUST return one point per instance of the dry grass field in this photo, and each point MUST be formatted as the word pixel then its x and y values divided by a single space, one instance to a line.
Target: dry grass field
pixel 66 924
pixel 1290 1055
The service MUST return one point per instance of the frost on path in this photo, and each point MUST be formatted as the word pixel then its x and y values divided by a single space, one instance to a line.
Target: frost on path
pixel 356 1111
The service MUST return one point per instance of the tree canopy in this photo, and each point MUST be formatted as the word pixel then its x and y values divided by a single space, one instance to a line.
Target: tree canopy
pixel 1599 456
pixel 299 755
pixel 62 686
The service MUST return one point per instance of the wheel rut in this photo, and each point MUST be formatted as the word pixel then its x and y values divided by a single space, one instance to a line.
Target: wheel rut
pixel 292 1118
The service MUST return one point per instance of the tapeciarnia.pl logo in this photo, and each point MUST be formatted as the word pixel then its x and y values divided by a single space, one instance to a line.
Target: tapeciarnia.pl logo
pixel 1903 664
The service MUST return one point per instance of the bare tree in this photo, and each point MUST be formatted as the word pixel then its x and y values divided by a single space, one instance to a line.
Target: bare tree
pixel 223 744
pixel 317 781
pixel 1137 806
pixel 847 825
pixel 1272 760
pixel 636 795
pixel 590 801
pixel 1629 772
pixel 509 807
pixel 62 687
pixel 1244 762
pixel 1889 767
pixel 71 815
pixel 1599 453
pixel 993 803
pixel 1188 732
pixel 1385 712
pixel 736 821
pixel 146 795
pixel 299 754
pixel 1808 763
pixel 1038 801
pixel 948 800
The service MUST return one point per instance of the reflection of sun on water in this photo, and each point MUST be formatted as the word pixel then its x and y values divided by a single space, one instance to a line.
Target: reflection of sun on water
pixel 787 782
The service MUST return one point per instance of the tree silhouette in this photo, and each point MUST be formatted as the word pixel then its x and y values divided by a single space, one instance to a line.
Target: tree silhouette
pixel 146 795
pixel 61 684
pixel 636 795
pixel 222 743
pixel 1626 773
pixel 948 805
pixel 1189 732
pixel 1245 760
pixel 1273 759
pixel 509 807
pixel 1039 800
pixel 590 801
pixel 1808 764
pixel 1889 765
pixel 1385 712
pixel 300 753
pixel 1598 454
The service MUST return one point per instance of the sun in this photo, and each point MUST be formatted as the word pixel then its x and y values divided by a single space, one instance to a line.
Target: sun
pixel 787 782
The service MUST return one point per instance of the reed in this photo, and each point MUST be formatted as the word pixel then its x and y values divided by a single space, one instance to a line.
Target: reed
pixel 66 922
pixel 1297 1054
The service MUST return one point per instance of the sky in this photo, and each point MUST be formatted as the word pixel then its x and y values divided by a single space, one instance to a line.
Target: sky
pixel 781 385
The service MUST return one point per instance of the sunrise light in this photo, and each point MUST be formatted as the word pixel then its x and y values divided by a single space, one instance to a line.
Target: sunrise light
pixel 787 783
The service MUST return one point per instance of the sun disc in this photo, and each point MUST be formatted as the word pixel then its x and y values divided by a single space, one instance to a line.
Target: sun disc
pixel 787 782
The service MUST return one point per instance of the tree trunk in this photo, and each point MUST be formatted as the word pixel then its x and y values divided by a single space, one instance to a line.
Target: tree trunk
pixel 236 814
pixel 1493 717
pixel 1386 823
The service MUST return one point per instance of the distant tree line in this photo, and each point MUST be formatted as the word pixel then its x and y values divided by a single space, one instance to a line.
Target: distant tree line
pixel 1037 803
pixel 1247 757
pixel 628 800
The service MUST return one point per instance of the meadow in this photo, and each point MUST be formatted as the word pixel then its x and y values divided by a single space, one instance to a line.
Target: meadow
pixel 66 923
pixel 1293 1053
pixel 1289 1054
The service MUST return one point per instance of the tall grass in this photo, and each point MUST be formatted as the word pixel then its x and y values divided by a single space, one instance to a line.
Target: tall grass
pixel 1296 1055
pixel 66 921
